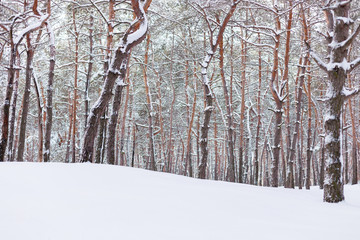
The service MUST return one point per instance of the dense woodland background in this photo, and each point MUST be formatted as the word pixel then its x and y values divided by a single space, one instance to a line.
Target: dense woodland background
pixel 265 89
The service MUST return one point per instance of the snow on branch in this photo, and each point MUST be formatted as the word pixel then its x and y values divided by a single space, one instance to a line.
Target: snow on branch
pixel 136 31
pixel 354 64
pixel 348 93
pixel 31 28
pixel 337 5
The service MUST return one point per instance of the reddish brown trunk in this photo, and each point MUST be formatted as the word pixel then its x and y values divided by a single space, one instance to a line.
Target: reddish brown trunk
pixel 230 130
pixel 26 101
pixel 75 89
pixel 117 68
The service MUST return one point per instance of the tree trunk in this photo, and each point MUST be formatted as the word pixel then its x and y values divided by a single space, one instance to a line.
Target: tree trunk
pixel 26 100
pixel 308 150
pixel 152 162
pixel 110 144
pixel 278 111
pixel 242 111
pixel 89 71
pixel 354 179
pixel 335 97
pixel 6 106
pixel 11 148
pixel 258 124
pixel 117 68
pixel 40 119
pixel 290 166
pixel 123 124
pixel 49 99
pixel 110 141
pixel 73 159
pixel 230 129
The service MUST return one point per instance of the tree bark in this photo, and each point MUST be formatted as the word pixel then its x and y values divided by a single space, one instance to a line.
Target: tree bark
pixel 308 150
pixel 49 99
pixel 89 71
pixel 290 166
pixel 26 100
pixel 6 106
pixel 339 41
pixel 278 111
pixel 40 119
pixel 117 68
pixel 110 144
pixel 11 148
pixel 73 158
pixel 230 129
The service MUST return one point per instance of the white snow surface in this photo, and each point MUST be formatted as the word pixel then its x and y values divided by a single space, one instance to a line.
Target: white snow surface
pixel 55 201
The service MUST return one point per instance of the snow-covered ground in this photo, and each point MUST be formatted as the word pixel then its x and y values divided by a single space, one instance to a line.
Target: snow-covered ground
pixel 100 202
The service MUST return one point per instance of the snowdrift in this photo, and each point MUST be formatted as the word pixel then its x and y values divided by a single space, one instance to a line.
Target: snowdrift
pixel 57 201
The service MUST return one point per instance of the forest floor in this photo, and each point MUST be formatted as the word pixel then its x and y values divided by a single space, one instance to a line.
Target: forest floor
pixel 57 201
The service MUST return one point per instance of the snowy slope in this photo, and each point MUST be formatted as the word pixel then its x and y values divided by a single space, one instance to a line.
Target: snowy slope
pixel 98 202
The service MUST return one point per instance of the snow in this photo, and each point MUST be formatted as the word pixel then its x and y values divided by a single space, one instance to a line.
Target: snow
pixel 54 201
pixel 345 20
pixel 135 36
pixel 348 92
pixel 120 82
pixel 344 65
pixel 30 28
pixel 329 138
pixel 209 108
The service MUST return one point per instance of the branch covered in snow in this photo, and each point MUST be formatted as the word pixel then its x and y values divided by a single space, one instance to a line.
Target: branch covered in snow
pixel 33 27
pixel 354 64
pixel 138 29
pixel 348 93
pixel 336 5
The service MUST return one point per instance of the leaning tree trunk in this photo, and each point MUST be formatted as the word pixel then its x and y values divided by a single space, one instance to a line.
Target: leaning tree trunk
pixel 209 96
pixel 101 138
pixel 116 69
pixel 40 119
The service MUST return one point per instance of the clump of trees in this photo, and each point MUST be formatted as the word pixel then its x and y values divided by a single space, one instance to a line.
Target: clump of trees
pixel 256 92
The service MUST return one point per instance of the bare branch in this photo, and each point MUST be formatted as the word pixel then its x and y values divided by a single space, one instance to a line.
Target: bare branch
pixel 101 13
